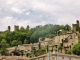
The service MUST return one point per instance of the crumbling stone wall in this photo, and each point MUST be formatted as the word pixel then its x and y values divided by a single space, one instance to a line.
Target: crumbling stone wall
pixel 16 28
pixel 75 27
pixel 9 28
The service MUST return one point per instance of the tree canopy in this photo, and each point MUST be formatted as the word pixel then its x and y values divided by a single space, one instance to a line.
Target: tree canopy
pixel 24 36
pixel 76 49
pixel 3 46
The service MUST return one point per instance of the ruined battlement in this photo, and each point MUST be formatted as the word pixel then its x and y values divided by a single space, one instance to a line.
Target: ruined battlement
pixel 16 28
pixel 9 28
pixel 75 27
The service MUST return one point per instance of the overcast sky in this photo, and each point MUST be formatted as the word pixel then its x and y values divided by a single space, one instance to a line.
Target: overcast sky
pixel 38 12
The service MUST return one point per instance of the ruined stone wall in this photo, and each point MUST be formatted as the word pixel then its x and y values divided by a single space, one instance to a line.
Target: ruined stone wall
pixel 9 28
pixel 75 27
pixel 44 44
pixel 16 28
pixel 51 56
pixel 25 47
pixel 54 41
pixel 27 26
pixel 13 58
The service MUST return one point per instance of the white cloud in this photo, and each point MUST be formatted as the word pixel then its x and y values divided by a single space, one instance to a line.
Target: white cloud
pixel 41 23
pixel 0 8
pixel 28 13
pixel 10 21
pixel 10 1
pixel 17 11
pixel 23 23
pixel 5 22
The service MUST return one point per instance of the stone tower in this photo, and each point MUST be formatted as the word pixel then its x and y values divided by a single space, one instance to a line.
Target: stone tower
pixel 75 27
pixel 27 28
pixel 16 28
pixel 9 28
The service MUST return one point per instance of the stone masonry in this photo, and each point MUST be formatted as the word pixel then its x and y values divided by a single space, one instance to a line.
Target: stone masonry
pixel 75 27
pixel 68 40
pixel 49 56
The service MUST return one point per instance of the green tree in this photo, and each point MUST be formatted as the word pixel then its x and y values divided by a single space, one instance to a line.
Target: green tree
pixel 32 35
pixel 2 36
pixel 68 52
pixel 22 29
pixel 67 27
pixel 16 42
pixel 76 49
pixel 50 35
pixel 3 46
pixel 25 41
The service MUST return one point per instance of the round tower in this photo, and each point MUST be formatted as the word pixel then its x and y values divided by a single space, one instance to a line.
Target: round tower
pixel 9 28
pixel 77 25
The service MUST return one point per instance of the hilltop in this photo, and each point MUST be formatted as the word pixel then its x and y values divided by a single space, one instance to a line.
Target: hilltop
pixel 27 36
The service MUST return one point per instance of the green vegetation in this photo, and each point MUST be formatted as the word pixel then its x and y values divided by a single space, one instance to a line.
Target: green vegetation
pixel 75 50
pixel 26 36
pixel 3 46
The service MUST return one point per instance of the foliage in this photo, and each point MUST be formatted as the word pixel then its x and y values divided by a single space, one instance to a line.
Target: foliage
pixel 16 42
pixel 50 35
pixel 69 52
pixel 61 47
pixel 32 35
pixel 39 52
pixel 26 36
pixel 3 46
pixel 67 27
pixel 76 49
pixel 25 41
pixel 22 29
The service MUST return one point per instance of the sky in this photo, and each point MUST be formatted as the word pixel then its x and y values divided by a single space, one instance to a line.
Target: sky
pixel 38 12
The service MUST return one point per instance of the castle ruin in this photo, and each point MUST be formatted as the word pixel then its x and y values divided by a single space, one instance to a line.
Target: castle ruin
pixel 16 28
pixel 75 27
pixel 9 28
